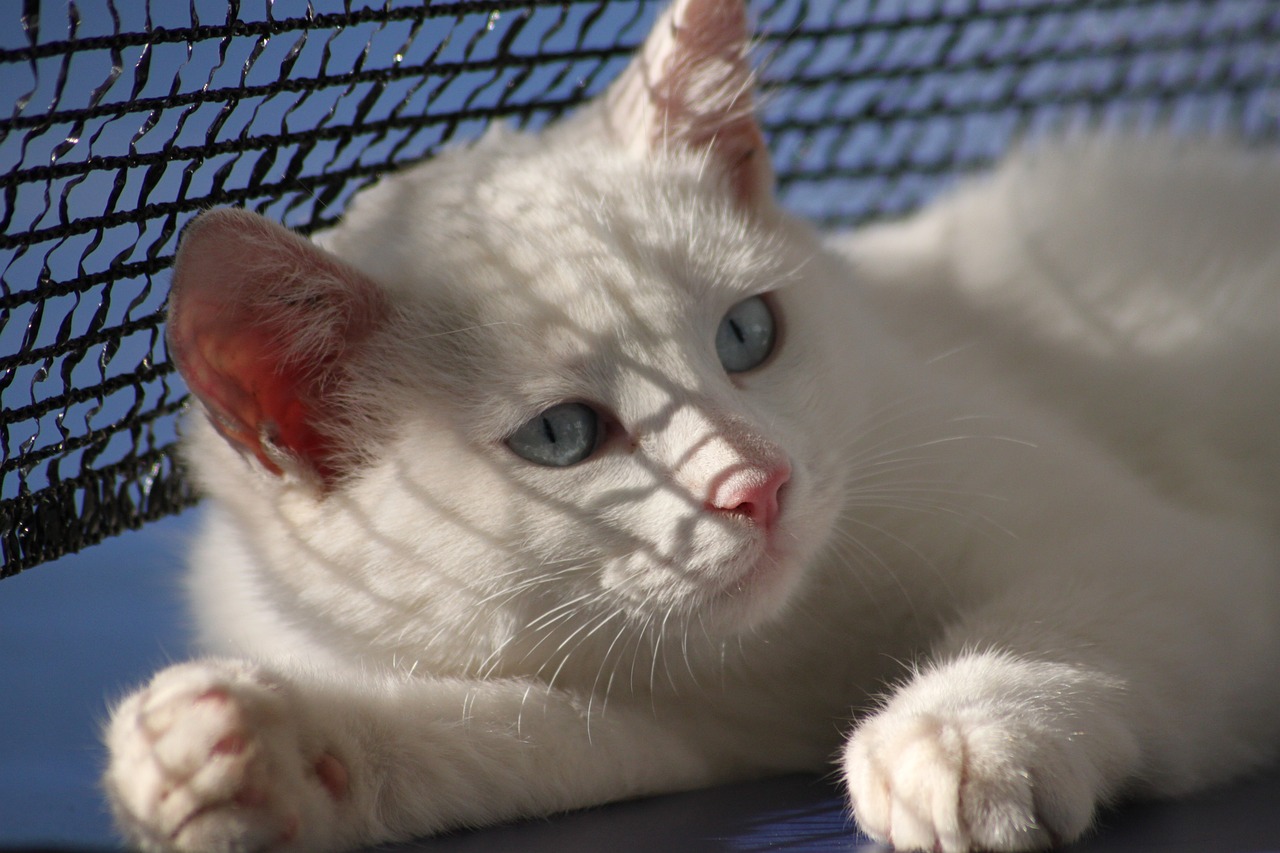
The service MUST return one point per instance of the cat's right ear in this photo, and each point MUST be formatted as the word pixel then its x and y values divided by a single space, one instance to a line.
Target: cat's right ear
pixel 261 324
pixel 691 87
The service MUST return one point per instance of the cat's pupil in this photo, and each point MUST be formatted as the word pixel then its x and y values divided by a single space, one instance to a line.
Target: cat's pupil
pixel 746 335
pixel 563 435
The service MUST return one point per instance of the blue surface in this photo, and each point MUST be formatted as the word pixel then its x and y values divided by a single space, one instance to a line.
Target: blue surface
pixel 802 813
pixel 76 633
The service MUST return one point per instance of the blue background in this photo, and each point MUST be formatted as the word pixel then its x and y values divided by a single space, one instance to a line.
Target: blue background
pixel 74 636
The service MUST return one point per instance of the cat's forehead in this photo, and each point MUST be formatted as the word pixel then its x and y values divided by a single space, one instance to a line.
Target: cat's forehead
pixel 523 228
pixel 540 273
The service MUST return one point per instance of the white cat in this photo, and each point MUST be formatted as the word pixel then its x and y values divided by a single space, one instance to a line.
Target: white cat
pixel 569 468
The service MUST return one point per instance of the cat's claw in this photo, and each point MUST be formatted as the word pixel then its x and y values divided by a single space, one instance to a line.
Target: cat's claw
pixel 959 782
pixel 209 757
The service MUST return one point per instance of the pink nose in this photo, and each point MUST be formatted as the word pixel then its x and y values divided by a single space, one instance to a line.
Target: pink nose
pixel 755 497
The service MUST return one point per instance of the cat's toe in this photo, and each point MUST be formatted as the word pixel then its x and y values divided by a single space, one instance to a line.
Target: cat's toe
pixel 208 757
pixel 957 783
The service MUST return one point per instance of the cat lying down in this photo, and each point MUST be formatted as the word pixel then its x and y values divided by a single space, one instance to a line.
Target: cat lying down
pixel 569 468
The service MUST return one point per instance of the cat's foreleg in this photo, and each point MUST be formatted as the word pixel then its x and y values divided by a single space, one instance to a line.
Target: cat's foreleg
pixel 1108 671
pixel 223 755
pixel 989 751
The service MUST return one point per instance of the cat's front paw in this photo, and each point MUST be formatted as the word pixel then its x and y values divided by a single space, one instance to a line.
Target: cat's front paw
pixel 964 781
pixel 211 756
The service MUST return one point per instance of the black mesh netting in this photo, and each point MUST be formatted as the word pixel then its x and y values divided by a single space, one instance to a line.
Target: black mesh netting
pixel 130 116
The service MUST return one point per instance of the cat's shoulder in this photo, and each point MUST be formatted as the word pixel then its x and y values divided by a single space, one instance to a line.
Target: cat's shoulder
pixel 1099 244
pixel 1129 286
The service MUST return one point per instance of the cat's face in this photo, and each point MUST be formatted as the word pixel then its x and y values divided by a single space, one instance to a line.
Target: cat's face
pixel 613 376
pixel 584 369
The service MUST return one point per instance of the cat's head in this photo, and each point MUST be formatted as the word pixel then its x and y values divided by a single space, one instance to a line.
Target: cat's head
pixel 590 365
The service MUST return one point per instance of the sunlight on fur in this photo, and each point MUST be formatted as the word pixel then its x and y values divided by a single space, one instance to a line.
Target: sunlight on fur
pixel 569 468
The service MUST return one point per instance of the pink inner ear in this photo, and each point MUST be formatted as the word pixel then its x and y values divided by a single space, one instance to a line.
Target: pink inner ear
pixel 691 86
pixel 259 323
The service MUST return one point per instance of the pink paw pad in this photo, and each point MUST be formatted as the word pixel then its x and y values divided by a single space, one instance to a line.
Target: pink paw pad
pixel 333 775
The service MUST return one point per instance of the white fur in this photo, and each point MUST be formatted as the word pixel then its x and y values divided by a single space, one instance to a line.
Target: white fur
pixel 1034 485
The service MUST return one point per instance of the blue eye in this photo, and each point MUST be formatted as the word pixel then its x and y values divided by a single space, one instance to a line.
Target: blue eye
pixel 746 335
pixel 563 435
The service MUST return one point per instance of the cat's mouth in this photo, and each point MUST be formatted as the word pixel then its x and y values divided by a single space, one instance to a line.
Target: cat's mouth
pixel 759 582
pixel 730 569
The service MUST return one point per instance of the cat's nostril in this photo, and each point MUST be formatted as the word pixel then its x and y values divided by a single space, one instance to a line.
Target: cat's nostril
pixel 747 509
pixel 758 498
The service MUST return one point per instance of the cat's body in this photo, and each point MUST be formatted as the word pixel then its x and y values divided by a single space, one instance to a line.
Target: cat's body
pixel 1124 285
pixel 1023 440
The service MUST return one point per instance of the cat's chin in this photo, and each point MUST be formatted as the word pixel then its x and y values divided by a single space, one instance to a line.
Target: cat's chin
pixel 757 592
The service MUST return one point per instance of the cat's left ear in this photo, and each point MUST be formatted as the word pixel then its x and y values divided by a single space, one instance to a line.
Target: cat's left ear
pixel 263 325
pixel 691 87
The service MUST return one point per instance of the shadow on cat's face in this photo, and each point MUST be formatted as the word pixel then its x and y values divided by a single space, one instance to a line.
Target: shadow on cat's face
pixel 546 394
pixel 708 481
pixel 704 487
